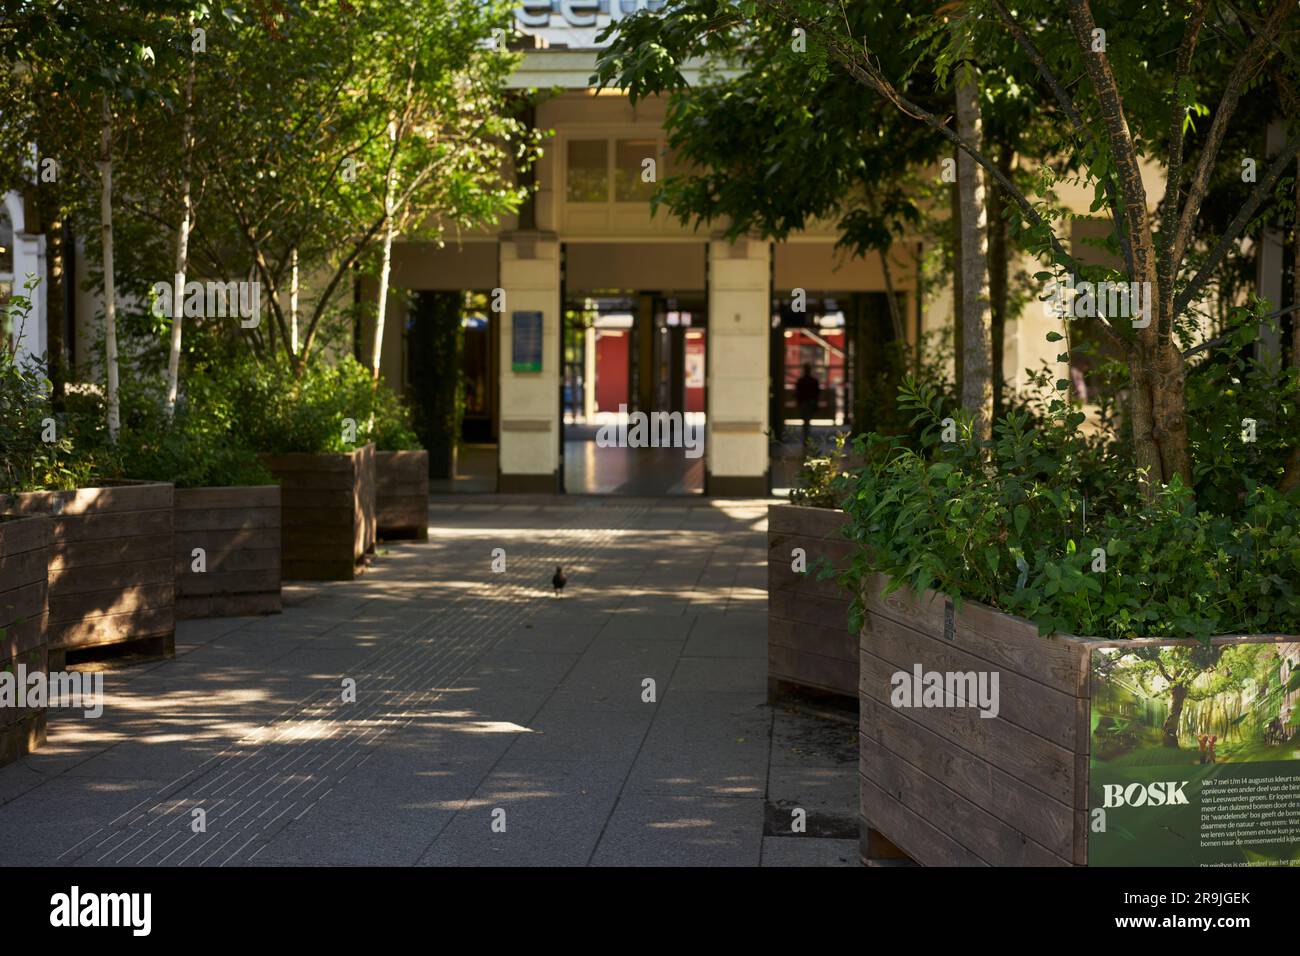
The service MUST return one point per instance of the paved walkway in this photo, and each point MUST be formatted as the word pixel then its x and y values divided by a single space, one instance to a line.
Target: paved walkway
pixel 493 723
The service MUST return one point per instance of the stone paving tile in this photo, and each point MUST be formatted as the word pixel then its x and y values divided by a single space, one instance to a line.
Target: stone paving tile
pixel 719 675
pixel 658 830
pixel 554 812
pixel 809 851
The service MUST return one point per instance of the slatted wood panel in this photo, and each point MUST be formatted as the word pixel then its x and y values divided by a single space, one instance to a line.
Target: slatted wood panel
pixel 239 531
pixel 24 552
pixel 327 512
pixel 949 786
pixel 110 577
pixel 402 494
pixel 808 640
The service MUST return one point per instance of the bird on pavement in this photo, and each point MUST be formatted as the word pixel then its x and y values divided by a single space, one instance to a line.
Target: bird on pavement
pixel 558 580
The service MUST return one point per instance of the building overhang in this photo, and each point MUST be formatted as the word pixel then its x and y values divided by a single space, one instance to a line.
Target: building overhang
pixel 573 70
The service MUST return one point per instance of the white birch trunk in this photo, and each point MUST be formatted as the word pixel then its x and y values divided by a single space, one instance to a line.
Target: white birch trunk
pixel 182 249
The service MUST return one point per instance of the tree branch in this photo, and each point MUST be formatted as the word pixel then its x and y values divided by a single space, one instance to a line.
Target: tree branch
pixel 1262 190
pixel 866 73
pixel 1134 205
pixel 1256 55
pixel 1067 103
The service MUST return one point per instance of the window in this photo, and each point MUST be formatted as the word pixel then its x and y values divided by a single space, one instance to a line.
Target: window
pixel 634 178
pixel 588 171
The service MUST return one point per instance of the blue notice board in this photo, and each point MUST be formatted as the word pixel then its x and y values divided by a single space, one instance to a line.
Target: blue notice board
pixel 526 342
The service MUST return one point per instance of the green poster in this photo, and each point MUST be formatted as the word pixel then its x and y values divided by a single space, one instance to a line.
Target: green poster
pixel 1195 755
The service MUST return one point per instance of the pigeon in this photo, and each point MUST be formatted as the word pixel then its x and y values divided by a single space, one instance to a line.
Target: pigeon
pixel 558 580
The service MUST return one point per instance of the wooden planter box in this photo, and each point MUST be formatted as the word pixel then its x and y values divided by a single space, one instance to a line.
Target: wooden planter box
pixel 809 644
pixel 402 494
pixel 239 532
pixel 950 787
pixel 24 553
pixel 327 513
pixel 111 580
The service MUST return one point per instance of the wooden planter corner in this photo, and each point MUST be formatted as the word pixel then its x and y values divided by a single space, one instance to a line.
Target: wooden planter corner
pixel 809 644
pixel 327 512
pixel 238 530
pixel 24 556
pixel 111 581
pixel 952 788
pixel 402 494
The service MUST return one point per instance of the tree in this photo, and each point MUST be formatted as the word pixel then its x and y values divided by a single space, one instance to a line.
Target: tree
pixel 356 124
pixel 780 140
pixel 1177 667
pixel 977 384
pixel 1126 103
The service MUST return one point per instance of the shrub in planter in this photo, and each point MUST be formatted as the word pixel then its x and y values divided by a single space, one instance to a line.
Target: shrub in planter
pixel 226 558
pixel 809 644
pixel 316 427
pixel 989 558
pixel 109 562
pixel 24 546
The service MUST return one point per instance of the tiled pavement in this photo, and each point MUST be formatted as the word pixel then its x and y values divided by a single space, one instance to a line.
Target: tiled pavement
pixel 493 723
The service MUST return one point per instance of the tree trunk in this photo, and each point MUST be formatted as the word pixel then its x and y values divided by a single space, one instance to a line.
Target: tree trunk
pixel 1291 472
pixel 182 248
pixel 386 259
pixel 293 300
pixel 895 311
pixel 954 269
pixel 1177 694
pixel 999 268
pixel 977 391
pixel 1295 274
pixel 110 306
pixel 1158 409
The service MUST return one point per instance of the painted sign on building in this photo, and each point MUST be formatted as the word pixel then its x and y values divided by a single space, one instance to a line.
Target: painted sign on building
pixel 575 24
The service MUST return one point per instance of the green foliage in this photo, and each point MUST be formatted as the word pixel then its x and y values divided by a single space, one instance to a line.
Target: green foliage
pixel 28 462
pixel 1016 523
pixel 436 342
pixel 822 478
pixel 276 409
pixel 199 448
pixel 1224 391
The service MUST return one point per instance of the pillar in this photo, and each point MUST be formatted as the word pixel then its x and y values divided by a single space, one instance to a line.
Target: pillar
pixel 529 449
pixel 736 455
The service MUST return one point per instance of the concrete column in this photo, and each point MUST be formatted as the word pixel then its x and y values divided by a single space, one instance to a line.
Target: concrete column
pixel 29 260
pixel 736 455
pixel 529 459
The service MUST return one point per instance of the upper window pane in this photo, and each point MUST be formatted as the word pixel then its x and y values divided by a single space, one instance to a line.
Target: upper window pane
pixel 588 175
pixel 636 169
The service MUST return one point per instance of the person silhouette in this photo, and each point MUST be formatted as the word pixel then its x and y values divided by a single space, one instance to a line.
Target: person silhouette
pixel 806 392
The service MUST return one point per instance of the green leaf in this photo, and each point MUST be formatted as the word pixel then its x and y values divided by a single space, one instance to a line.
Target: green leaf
pixel 1021 517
